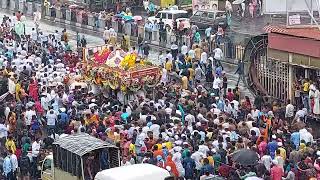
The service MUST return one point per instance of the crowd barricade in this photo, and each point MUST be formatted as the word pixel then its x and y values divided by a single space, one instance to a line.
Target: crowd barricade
pixel 53 12
pixel 30 8
pixel 58 14
pixel 4 4
pixel 12 5
pixel 232 52
pixel 78 17
pixel 91 21
pixel 63 13
pixel 37 6
pixel 68 16
pixel 134 30
pixel 73 15
pixel 22 6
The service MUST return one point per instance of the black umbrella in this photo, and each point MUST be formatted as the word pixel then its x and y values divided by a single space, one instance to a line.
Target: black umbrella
pixel 245 157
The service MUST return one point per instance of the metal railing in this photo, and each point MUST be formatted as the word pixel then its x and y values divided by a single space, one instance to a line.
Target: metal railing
pixel 232 52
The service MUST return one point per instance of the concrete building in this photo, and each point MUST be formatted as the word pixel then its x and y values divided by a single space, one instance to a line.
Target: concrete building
pixel 288 54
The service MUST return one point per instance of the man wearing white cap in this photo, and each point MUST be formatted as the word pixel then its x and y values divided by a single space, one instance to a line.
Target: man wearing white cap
pixel 273 146
pixel 276 171
pixel 267 161
pixel 197 156
pixel 106 35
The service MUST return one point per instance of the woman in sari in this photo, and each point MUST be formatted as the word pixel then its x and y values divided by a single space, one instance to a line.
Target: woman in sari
pixel 33 90
pixel 12 120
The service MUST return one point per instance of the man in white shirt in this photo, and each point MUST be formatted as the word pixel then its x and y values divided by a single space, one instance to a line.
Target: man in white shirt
pixel 198 73
pixel 34 34
pixel 190 119
pixel 184 49
pixel 289 111
pixel 203 58
pixel 161 58
pixel 301 114
pixel 168 109
pixel 164 76
pixel 35 153
pixel 197 156
pixel 203 148
pixel 51 120
pixel 14 162
pixel 306 136
pixel 169 56
pixel 218 55
pixel 216 86
pixel 29 114
pixel 267 161
pixel 3 133
pixel 191 53
pixel 14 19
pixel 57 36
pixel 106 35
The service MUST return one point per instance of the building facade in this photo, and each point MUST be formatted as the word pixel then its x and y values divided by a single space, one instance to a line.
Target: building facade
pixel 291 55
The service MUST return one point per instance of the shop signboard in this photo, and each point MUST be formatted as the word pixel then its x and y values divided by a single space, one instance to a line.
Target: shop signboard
pixel 211 5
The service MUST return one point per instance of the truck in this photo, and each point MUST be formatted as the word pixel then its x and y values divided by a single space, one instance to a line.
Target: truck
pixel 79 157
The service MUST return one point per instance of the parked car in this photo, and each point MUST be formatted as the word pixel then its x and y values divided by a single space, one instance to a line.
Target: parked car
pixel 204 18
pixel 168 17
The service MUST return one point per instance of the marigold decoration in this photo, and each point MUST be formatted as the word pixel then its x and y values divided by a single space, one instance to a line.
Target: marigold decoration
pixel 128 61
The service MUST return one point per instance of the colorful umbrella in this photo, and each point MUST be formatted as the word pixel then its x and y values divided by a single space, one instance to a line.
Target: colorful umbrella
pixel 127 18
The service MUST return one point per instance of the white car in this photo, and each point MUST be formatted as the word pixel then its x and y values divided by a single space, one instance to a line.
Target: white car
pixel 168 17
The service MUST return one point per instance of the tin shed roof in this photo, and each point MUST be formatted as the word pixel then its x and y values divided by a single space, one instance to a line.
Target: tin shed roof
pixel 82 144
pixel 311 33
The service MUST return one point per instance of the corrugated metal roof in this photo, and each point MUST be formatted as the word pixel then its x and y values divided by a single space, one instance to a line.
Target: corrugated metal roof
pixel 312 33
pixel 81 144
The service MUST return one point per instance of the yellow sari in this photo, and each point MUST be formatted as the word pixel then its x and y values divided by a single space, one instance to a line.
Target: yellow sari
pixel 18 90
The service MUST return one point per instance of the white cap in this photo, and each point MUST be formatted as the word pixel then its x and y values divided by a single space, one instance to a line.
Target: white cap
pixel 176 137
pixel 198 124
pixel 168 168
pixel 274 136
pixel 275 162
pixel 166 139
pixel 185 143
pixel 62 109
pixel 280 144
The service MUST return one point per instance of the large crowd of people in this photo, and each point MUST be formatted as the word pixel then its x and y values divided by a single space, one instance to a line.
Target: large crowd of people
pixel 192 125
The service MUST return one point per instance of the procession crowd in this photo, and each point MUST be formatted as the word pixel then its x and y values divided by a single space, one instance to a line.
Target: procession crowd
pixel 193 124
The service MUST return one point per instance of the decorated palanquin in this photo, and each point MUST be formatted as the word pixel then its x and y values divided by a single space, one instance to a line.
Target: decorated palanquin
pixel 117 69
